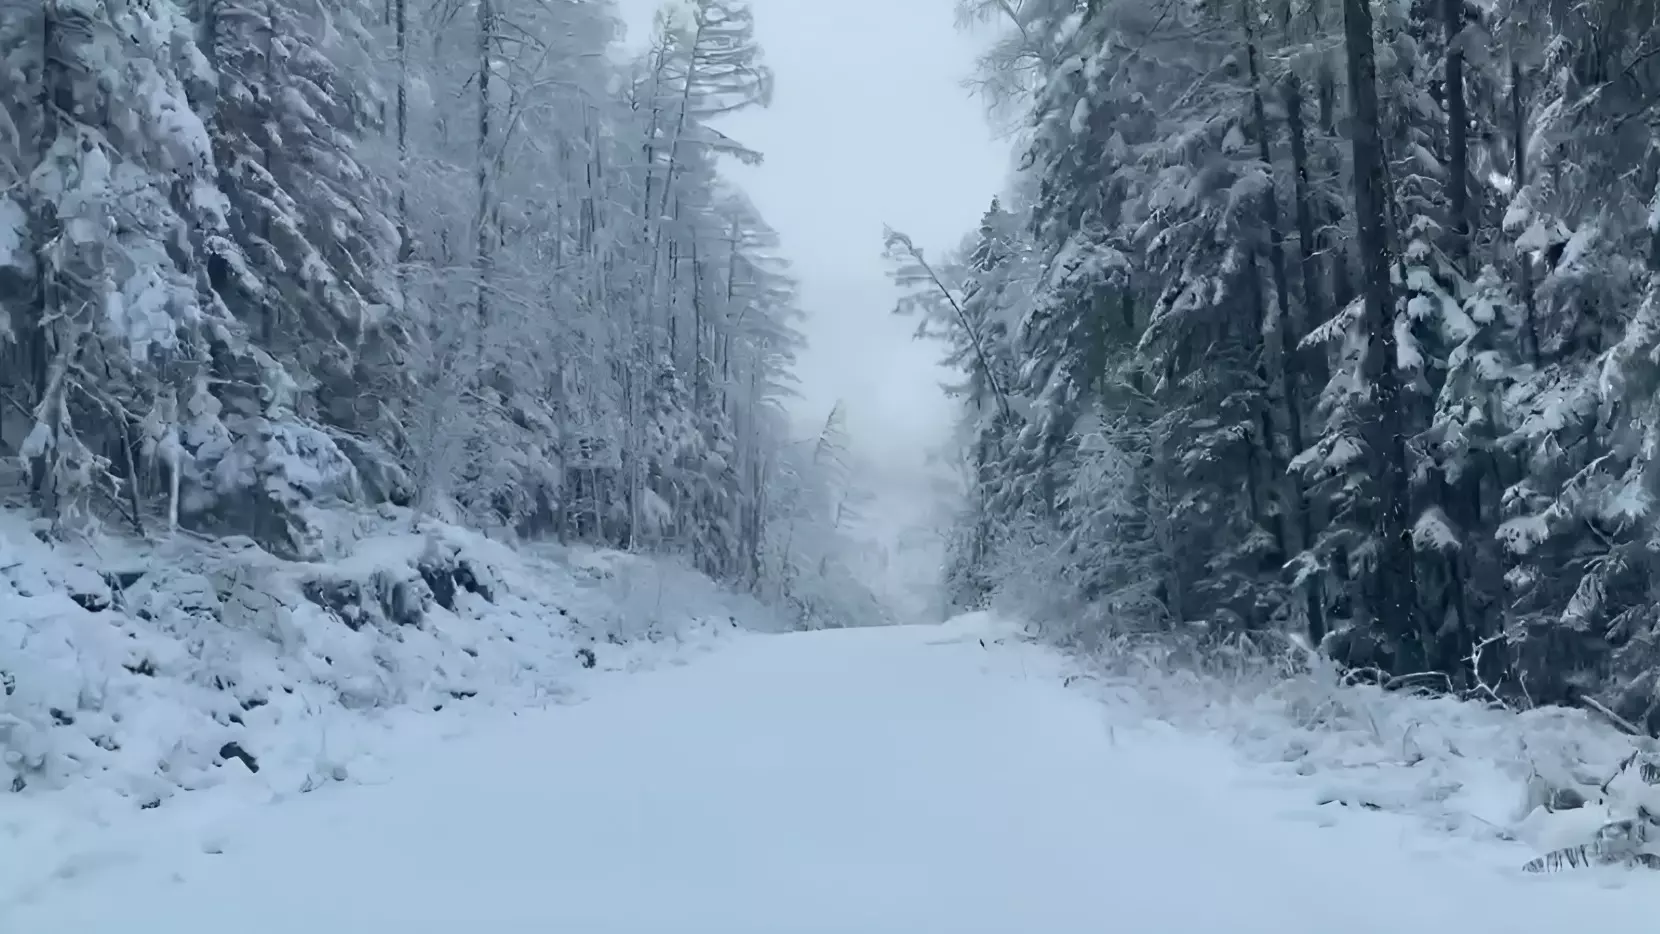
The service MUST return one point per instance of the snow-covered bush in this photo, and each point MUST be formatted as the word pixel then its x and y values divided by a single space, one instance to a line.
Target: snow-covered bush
pixel 1565 782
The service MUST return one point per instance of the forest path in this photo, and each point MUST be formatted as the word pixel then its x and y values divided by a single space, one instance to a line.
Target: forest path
pixel 910 779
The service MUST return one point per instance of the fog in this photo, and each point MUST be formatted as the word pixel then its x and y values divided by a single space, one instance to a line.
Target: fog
pixel 870 125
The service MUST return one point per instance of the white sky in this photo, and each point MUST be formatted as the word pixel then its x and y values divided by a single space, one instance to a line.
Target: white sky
pixel 869 125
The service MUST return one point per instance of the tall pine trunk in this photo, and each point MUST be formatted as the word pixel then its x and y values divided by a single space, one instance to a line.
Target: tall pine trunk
pixel 400 11
pixel 1296 531
pixel 483 256
pixel 1458 148
pixel 1524 262
pixel 1392 596
pixel 1461 498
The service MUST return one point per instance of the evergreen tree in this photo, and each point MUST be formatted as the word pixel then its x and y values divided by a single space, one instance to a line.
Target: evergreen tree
pixel 1372 352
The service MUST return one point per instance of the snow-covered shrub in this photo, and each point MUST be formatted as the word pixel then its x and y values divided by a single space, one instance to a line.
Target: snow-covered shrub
pixel 1563 781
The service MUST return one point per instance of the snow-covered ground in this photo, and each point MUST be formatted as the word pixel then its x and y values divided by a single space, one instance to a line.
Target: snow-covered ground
pixel 952 779
pixel 143 684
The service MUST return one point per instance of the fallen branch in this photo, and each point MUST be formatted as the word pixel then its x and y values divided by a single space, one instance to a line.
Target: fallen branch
pixel 1618 722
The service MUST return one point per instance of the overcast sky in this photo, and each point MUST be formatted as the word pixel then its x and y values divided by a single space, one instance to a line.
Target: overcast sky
pixel 869 126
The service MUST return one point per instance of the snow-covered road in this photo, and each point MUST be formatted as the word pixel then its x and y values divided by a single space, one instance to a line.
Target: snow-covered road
pixel 851 782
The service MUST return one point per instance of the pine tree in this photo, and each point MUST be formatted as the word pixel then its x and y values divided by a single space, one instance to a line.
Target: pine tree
pixel 1429 303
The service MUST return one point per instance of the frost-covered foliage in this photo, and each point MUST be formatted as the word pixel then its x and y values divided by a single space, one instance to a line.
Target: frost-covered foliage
pixel 1361 293
pixel 262 258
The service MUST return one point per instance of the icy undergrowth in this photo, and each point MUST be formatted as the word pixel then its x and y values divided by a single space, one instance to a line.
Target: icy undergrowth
pixel 1560 781
pixel 132 672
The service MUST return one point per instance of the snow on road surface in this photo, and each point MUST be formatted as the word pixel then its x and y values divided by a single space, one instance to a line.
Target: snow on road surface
pixel 858 781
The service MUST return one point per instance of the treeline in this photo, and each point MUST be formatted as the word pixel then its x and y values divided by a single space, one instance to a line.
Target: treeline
pixel 262 256
pixel 1324 316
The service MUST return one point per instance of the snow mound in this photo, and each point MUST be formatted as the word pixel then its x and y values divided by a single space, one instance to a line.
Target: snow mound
pixel 1552 778
pixel 136 671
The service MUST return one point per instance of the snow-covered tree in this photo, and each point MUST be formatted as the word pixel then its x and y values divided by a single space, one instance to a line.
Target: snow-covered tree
pixel 1363 291
pixel 258 256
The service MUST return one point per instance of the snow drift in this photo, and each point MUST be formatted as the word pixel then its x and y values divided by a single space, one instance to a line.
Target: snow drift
pixel 139 671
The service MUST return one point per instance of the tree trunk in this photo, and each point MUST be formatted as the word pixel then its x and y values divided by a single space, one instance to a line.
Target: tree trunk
pixel 41 335
pixel 400 10
pixel 1295 530
pixel 731 325
pixel 483 256
pixel 1393 589
pixel 1314 304
pixel 1524 263
pixel 1458 128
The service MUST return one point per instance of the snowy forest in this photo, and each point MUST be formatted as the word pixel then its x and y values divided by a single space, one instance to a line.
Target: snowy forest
pixel 466 258
pixel 1331 318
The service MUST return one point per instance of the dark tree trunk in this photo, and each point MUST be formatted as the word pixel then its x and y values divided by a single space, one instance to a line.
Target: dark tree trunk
pixel 1524 263
pixel 1458 129
pixel 1393 602
pixel 1294 528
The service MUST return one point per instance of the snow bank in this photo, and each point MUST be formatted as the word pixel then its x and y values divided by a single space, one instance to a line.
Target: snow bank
pixel 133 672
pixel 1551 778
